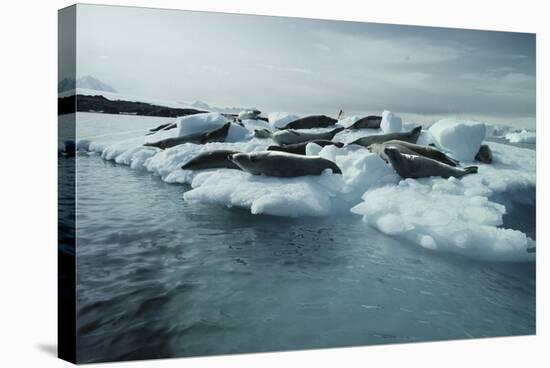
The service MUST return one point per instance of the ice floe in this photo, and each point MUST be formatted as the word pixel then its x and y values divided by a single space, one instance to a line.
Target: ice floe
pixel 460 216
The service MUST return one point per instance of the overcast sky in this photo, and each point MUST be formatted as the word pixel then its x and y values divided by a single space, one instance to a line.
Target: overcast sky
pixel 308 66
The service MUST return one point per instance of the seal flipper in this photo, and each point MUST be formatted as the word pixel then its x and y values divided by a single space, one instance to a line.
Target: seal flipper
pixel 337 130
pixel 470 170
pixel 452 161
pixel 440 156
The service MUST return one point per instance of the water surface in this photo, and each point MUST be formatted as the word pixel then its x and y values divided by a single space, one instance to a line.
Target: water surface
pixel 159 277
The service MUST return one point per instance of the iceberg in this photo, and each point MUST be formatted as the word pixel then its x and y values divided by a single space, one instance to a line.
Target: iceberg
pixel 199 123
pixel 460 138
pixel 391 123
pixel 523 136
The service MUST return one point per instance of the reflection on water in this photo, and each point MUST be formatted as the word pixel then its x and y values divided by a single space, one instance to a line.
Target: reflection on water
pixel 159 277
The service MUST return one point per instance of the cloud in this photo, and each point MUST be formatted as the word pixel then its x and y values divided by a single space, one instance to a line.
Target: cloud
pixel 388 51
pixel 511 83
pixel 308 66
pixel 417 79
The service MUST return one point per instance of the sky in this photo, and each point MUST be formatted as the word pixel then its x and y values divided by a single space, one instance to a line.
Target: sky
pixel 309 66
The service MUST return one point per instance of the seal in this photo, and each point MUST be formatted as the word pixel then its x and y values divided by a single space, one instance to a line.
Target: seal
pixel 249 114
pixel 409 166
pixel 410 137
pixel 484 154
pixel 166 126
pixel 412 149
pixel 216 135
pixel 218 159
pixel 69 149
pixel 313 121
pixel 368 122
pixel 262 133
pixel 300 148
pixel 290 136
pixel 282 164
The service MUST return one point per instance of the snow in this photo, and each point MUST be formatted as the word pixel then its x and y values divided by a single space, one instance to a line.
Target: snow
pixel 451 215
pixel 523 136
pixel 280 119
pixel 460 138
pixel 391 123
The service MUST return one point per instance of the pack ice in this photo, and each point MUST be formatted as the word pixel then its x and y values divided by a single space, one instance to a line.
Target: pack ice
pixel 453 215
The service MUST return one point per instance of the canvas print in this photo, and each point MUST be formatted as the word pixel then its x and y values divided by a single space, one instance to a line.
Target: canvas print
pixel 238 184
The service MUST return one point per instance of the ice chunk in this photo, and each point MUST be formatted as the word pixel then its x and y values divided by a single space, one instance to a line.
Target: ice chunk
pixel 280 119
pixel 524 136
pixel 237 133
pixel 494 130
pixel 390 122
pixel 135 157
pixel 442 217
pixel 293 197
pixel 361 169
pixel 460 138
pixel 199 123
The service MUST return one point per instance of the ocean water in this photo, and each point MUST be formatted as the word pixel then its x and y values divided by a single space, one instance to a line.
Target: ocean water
pixel 159 277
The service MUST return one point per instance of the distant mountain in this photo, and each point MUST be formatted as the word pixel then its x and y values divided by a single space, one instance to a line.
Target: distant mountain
pixel 201 105
pixel 205 106
pixel 87 82
pixel 66 84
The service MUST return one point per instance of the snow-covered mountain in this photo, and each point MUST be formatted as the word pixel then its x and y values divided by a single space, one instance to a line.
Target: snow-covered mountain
pixel 87 82
pixel 205 106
